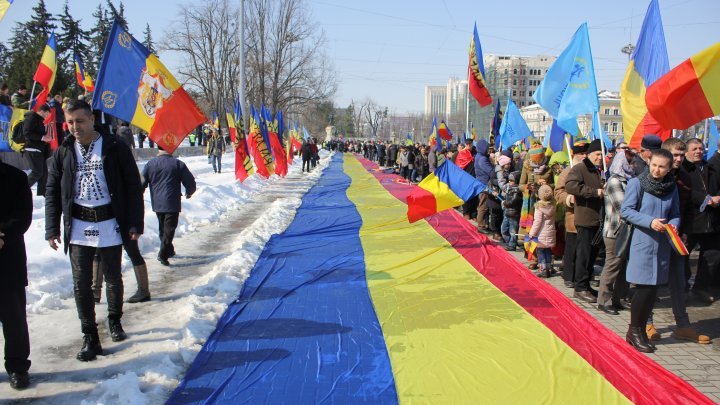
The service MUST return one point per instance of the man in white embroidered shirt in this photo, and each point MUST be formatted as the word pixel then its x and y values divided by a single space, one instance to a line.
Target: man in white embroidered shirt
pixel 94 183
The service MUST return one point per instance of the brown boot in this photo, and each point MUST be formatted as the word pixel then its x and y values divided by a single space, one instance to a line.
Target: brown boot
pixel 143 291
pixel 652 333
pixel 691 335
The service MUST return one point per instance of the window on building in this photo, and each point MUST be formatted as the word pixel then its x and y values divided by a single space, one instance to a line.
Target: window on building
pixel 615 126
pixel 544 118
pixel 514 71
pixel 522 104
pixel 530 93
pixel 523 72
pixel 514 82
pixel 607 111
pixel 506 82
pixel 506 71
pixel 514 93
pixel 523 82
pixel 606 127
pixel 616 112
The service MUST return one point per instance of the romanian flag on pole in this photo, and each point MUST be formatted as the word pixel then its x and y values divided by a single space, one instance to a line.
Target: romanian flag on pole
pixel 243 164
pixel 476 72
pixel 444 131
pixel 83 79
pixel 133 85
pixel 46 71
pixel 448 187
pixel 4 5
pixel 689 93
pixel 257 146
pixel 648 62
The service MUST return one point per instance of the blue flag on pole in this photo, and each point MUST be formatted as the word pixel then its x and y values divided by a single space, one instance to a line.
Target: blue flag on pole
pixel 513 127
pixel 569 88
pixel 598 133
pixel 712 139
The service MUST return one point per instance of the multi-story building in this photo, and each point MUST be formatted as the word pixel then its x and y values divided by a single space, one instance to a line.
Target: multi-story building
pixel 435 100
pixel 515 76
pixel 539 120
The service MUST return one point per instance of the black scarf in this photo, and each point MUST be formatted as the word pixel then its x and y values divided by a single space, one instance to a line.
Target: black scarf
pixel 655 187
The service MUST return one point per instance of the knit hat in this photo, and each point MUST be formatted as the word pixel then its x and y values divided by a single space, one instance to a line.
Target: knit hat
pixel 651 142
pixel 514 176
pixel 545 192
pixel 594 146
pixel 536 153
pixel 503 160
pixel 580 146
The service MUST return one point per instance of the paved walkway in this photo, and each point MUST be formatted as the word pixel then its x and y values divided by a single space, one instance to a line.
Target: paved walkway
pixel 697 364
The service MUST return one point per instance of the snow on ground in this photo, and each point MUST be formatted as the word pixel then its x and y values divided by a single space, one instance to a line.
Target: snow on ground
pixel 222 231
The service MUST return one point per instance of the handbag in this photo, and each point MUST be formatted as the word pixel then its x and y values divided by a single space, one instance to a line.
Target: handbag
pixel 623 236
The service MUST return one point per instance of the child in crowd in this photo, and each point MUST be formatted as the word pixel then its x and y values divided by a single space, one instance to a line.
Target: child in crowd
pixel 511 211
pixel 543 228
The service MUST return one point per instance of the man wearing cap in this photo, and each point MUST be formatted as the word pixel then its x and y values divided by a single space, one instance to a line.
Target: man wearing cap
pixel 649 143
pixel 579 151
pixel 585 182
pixel 701 221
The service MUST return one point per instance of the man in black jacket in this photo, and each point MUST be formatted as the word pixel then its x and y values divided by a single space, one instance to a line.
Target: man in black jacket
pixel 94 183
pixel 36 150
pixel 702 226
pixel 15 217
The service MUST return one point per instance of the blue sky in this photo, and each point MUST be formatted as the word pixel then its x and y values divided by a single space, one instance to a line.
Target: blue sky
pixel 389 50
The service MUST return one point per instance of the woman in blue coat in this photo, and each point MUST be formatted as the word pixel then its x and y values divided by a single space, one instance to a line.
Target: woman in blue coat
pixel 650 250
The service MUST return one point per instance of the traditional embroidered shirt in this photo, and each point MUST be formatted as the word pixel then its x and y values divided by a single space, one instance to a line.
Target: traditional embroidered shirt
pixel 91 191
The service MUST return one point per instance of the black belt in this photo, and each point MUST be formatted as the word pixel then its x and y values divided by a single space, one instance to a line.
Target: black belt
pixel 93 214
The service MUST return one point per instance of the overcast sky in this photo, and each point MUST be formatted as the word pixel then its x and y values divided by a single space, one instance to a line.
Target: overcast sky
pixel 389 50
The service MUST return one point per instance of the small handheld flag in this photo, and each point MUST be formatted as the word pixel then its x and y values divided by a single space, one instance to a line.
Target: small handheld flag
pixel 675 240
pixel 530 243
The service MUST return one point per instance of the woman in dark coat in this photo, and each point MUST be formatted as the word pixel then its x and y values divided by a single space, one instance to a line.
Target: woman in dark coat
pixel 648 266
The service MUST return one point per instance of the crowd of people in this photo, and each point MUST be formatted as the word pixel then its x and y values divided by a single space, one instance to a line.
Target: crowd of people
pixel 573 206
pixel 94 208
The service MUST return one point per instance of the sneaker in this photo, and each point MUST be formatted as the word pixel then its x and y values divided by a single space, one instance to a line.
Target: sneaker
pixel 19 381
pixel 510 249
pixel 117 334
pixel 90 349
pixel 691 335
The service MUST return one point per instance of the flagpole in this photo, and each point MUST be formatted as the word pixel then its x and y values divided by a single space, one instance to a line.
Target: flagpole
pixel 467 104
pixel 596 120
pixel 570 153
pixel 241 67
pixel 31 94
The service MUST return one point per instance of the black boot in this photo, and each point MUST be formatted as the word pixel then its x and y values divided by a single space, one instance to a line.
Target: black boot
pixel 91 347
pixel 117 334
pixel 19 381
pixel 637 338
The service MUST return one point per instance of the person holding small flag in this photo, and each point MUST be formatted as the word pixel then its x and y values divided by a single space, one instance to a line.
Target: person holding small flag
pixel 651 204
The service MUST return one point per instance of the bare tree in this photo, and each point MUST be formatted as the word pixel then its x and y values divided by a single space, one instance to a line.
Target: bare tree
pixel 357 117
pixel 374 116
pixel 206 34
pixel 287 66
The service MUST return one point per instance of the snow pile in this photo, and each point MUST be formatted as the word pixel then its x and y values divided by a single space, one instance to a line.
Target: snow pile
pixel 166 333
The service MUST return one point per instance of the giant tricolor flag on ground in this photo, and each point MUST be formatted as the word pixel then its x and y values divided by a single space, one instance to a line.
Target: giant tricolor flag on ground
pixel 476 72
pixel 448 187
pixel 689 93
pixel 46 71
pixel 83 79
pixel 648 62
pixel 363 307
pixel 4 5
pixel 569 87
pixel 133 85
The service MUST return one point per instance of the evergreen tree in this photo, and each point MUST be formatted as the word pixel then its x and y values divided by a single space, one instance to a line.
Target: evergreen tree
pixel 27 45
pixel 4 62
pixel 148 41
pixel 118 14
pixel 71 40
pixel 98 37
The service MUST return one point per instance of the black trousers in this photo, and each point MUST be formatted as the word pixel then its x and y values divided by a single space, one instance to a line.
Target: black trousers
pixel 167 223
pixel 39 171
pixel 133 251
pixel 642 304
pixel 585 257
pixel 15 329
pixel 708 262
pixel 569 256
pixel 81 260
pixel 306 165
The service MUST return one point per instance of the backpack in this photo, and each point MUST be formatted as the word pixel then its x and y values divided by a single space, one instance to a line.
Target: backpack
pixel 17 138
